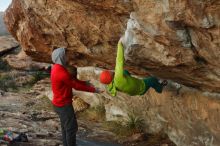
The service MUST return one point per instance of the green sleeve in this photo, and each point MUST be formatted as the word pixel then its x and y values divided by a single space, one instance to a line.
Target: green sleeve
pixel 118 69
pixel 119 61
pixel 112 89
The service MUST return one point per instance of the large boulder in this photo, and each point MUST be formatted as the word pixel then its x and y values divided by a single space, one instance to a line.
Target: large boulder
pixel 177 40
pixel 189 117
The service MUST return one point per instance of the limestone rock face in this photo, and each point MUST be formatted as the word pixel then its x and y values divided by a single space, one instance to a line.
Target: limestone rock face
pixel 189 117
pixel 177 40
pixel 8 43
pixel 88 29
pixel 21 61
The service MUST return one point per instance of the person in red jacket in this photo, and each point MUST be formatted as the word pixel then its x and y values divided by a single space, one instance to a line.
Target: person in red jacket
pixel 62 83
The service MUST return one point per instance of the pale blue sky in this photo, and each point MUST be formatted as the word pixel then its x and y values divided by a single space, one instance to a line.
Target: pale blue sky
pixel 4 4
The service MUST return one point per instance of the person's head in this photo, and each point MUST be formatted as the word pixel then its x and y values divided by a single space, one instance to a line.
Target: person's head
pixel 59 56
pixel 106 77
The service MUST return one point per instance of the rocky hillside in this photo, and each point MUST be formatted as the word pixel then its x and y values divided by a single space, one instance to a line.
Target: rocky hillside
pixel 189 117
pixel 176 40
pixel 3 30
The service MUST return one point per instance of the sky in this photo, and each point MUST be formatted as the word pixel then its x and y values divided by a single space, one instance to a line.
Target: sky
pixel 4 4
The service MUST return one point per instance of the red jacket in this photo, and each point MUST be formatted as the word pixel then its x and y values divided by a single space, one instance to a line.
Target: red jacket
pixel 62 84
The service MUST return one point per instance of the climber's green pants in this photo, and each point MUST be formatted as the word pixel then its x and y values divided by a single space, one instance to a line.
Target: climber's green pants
pixel 153 83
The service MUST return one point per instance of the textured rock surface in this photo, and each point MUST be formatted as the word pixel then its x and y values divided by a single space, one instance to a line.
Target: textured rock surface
pixel 23 62
pixel 34 116
pixel 7 43
pixel 178 40
pixel 189 117
pixel 88 29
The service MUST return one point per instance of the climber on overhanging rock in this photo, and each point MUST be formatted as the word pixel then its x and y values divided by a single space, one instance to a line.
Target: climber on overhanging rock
pixel 122 81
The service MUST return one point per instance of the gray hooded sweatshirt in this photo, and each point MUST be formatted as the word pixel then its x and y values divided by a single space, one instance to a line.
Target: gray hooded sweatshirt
pixel 59 56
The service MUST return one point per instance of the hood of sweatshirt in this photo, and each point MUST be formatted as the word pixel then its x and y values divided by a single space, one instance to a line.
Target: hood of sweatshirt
pixel 59 56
